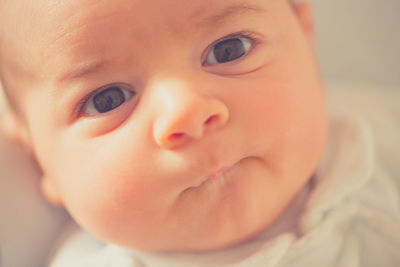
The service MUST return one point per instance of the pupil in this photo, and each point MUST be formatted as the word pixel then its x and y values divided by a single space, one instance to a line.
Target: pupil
pixel 108 99
pixel 229 50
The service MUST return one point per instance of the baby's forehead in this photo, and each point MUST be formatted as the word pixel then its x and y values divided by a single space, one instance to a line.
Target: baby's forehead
pixel 38 18
pixel 46 21
pixel 41 26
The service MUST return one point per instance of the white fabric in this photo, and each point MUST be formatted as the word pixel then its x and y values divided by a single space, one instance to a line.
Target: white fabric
pixel 350 210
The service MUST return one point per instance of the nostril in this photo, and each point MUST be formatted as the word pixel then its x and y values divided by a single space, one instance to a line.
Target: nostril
pixel 211 119
pixel 176 136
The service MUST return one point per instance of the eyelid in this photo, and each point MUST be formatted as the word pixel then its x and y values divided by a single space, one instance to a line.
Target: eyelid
pixel 254 39
pixel 83 102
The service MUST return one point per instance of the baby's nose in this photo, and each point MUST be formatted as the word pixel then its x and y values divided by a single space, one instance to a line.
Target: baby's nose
pixel 184 115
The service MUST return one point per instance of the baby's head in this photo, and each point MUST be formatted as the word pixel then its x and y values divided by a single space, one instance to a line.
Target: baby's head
pixel 166 125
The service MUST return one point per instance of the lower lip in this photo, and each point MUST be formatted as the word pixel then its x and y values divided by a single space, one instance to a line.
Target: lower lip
pixel 213 176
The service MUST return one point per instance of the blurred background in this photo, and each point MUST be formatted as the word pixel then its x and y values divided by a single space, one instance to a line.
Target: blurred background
pixel 359 40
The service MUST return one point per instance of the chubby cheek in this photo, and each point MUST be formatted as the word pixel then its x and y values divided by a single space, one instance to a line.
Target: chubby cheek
pixel 287 117
pixel 107 188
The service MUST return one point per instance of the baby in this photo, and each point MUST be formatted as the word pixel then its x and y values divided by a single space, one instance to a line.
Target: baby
pixel 191 133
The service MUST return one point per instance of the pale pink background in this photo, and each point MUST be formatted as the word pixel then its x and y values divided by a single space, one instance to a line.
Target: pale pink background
pixel 359 40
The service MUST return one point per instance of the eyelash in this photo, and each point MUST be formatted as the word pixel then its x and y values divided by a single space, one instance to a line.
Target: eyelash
pixel 81 104
pixel 254 39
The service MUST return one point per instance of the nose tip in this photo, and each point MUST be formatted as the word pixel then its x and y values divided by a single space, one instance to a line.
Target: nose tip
pixel 190 123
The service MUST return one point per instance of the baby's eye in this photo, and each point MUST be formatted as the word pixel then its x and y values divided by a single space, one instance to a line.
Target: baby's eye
pixel 106 100
pixel 228 50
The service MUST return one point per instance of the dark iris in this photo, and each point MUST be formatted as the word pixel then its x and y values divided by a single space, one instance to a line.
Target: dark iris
pixel 108 99
pixel 229 50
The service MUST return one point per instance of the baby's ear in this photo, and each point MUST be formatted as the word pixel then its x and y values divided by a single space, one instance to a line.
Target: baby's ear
pixel 50 190
pixel 15 129
pixel 303 11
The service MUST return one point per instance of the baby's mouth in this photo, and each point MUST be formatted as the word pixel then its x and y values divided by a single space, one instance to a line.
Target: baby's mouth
pixel 217 174
pixel 214 175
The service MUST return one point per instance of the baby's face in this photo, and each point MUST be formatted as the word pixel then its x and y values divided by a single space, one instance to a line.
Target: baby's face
pixel 171 125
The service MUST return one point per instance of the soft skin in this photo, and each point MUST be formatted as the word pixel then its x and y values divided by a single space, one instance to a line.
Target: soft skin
pixel 146 175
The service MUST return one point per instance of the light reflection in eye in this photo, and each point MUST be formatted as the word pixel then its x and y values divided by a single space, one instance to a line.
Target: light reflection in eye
pixel 106 100
pixel 228 50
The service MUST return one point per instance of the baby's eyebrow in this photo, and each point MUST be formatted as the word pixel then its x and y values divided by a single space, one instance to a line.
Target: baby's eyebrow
pixel 212 20
pixel 228 12
pixel 83 70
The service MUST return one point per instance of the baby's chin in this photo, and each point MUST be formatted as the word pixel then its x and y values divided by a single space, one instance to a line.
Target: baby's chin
pixel 203 244
pixel 220 213
pixel 209 240
pixel 217 235
pixel 223 242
